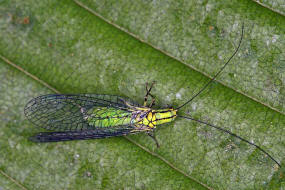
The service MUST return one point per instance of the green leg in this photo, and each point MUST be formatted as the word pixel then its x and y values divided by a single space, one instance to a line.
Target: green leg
pixel 149 94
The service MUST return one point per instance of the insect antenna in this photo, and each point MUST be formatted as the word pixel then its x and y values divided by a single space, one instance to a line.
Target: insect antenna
pixel 227 131
pixel 198 93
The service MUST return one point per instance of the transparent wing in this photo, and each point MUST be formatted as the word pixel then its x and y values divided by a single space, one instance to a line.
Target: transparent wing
pixel 67 112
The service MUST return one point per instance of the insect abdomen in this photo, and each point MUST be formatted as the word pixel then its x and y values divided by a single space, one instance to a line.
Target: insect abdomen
pixel 108 117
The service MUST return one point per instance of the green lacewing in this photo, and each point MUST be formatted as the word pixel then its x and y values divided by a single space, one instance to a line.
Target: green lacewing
pixel 95 116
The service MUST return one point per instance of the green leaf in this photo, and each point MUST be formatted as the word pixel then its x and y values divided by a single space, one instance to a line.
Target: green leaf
pixel 203 36
pixel 66 48
pixel 103 164
pixel 277 6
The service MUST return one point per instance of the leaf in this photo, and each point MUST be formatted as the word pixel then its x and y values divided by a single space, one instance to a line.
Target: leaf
pixel 203 36
pixel 103 164
pixel 66 47
pixel 277 6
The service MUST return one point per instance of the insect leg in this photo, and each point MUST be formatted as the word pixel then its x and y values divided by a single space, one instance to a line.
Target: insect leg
pixel 151 133
pixel 152 101
pixel 146 96
pixel 149 94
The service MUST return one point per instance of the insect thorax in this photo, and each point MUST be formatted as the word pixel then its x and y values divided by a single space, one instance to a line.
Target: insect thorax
pixel 150 118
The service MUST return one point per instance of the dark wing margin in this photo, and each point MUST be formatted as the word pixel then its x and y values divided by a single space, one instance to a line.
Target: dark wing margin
pixel 65 112
pixel 80 135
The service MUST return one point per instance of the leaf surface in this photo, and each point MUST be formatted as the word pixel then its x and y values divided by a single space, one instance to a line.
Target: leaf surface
pixel 69 49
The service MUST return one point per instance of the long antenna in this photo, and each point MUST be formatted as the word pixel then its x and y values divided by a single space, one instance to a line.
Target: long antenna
pixel 217 72
pixel 227 131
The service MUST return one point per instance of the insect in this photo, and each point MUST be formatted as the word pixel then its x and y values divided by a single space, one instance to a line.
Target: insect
pixel 93 116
